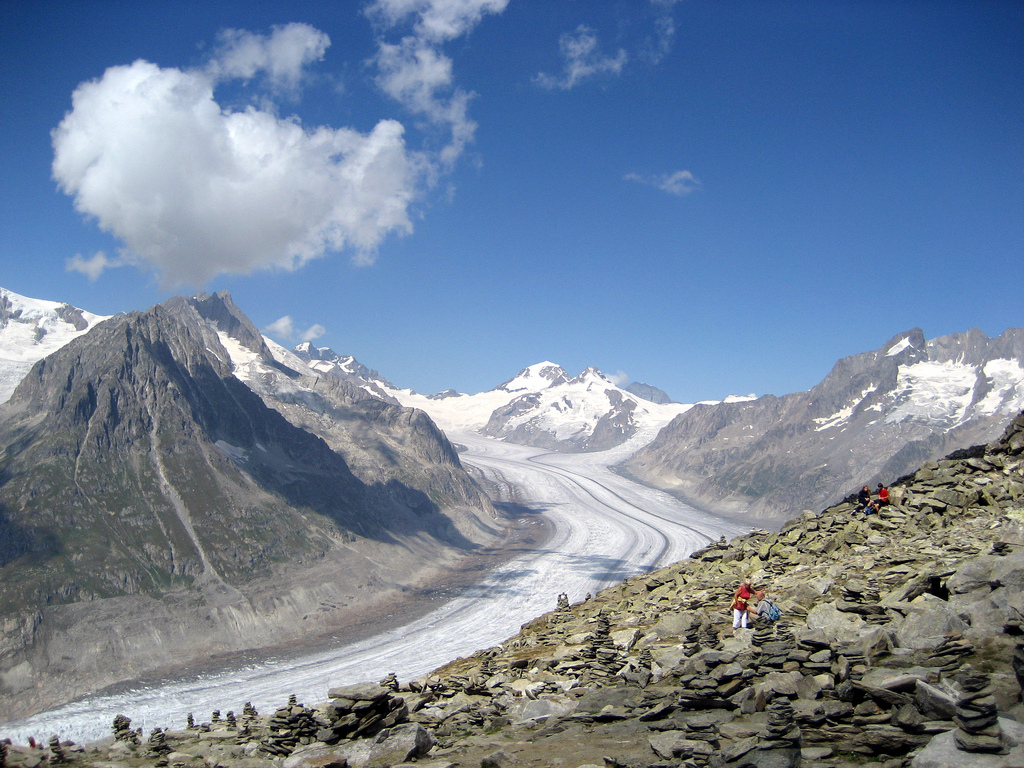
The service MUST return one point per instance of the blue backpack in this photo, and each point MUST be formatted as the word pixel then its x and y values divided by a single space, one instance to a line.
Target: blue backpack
pixel 774 614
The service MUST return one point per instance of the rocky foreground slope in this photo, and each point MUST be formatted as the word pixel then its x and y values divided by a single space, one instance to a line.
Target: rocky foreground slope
pixel 900 644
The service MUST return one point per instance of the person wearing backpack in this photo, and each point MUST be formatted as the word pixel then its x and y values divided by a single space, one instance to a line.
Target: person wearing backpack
pixel 766 609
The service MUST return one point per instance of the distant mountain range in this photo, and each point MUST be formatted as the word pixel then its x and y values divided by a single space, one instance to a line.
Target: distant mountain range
pixel 875 417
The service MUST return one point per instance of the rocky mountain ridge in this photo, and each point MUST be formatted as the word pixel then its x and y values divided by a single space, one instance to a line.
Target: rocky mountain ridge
pixel 145 487
pixel 876 416
pixel 899 645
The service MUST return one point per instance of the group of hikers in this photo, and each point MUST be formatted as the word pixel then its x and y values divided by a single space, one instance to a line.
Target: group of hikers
pixel 742 610
pixel 869 506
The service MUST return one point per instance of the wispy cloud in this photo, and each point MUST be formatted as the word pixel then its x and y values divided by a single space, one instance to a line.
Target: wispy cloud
pixel 678 183
pixel 284 328
pixel 660 44
pixel 93 266
pixel 281 57
pixel 193 189
pixel 582 59
pixel 415 72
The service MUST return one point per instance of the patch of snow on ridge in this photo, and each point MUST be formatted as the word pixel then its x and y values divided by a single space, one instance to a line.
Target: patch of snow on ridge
pixel 1006 377
pixel 898 347
pixel 933 392
pixel 33 329
pixel 843 414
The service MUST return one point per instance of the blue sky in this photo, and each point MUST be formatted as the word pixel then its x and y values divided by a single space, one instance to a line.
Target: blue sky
pixel 711 197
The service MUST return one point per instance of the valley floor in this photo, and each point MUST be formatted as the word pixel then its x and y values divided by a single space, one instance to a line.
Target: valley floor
pixel 583 528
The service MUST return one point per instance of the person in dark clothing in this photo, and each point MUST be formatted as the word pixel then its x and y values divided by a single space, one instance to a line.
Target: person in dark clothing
pixel 864 499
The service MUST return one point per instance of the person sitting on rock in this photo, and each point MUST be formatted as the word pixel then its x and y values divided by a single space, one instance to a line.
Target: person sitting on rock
pixel 740 597
pixel 864 500
pixel 883 495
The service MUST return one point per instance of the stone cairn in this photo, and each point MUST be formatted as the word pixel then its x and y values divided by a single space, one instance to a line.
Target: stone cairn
pixel 190 722
pixel 691 638
pixel 776 643
pixel 158 746
pixel 249 717
pixel 390 682
pixel 57 754
pixel 977 719
pixel 600 653
pixel 123 730
pixel 949 653
pixel 781 733
pixel 230 721
pixel 290 726
pixel 360 710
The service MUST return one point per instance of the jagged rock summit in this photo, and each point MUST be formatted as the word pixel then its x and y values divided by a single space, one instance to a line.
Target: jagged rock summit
pixel 141 476
pixel 875 417
pixel 899 645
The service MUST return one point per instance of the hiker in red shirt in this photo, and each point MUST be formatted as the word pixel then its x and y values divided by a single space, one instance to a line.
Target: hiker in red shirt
pixel 739 605
pixel 883 495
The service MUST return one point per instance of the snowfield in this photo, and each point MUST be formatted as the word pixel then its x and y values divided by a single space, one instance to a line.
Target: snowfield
pixel 606 529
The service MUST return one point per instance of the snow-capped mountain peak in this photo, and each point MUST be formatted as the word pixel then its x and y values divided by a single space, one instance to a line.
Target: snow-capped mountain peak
pixel 535 377
pixel 31 329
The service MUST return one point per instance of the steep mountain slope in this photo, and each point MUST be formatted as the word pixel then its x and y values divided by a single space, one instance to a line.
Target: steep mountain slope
pixel 143 486
pixel 875 417
pixel 31 329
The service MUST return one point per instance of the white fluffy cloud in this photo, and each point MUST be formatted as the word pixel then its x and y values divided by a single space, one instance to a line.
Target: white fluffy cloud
pixel 583 59
pixel 678 183
pixel 194 190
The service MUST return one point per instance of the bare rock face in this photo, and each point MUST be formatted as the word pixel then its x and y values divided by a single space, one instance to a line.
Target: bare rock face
pixel 875 417
pixel 146 490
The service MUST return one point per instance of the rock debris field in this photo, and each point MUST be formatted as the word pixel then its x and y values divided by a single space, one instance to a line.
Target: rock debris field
pixel 900 644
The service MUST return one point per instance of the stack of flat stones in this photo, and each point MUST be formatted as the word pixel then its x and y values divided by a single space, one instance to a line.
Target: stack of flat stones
pixel 289 727
pixel 57 754
pixel 356 711
pixel 601 655
pixel 819 655
pixel 781 740
pixel 949 653
pixel 158 746
pixel 977 719
pixel 776 650
pixel 123 730
pixel 691 638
